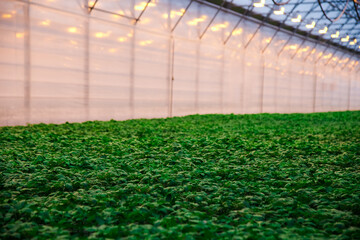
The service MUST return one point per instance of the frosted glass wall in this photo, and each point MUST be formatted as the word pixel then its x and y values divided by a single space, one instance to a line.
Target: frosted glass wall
pixel 59 63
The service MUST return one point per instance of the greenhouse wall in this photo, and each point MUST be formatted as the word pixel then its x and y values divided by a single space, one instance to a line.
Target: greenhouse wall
pixel 60 61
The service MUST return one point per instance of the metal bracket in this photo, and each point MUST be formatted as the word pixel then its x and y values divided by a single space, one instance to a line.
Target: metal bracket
pixel 92 7
pixel 180 18
pixel 331 57
pixel 211 21
pixel 349 61
pixel 237 24
pixel 142 12
pixel 256 31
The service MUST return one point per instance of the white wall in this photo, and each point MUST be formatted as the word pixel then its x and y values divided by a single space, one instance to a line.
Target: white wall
pixel 58 64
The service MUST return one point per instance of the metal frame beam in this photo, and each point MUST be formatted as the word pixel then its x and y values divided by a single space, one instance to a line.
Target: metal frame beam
pixel 212 19
pixel 295 30
pixel 180 18
pixel 237 24
pixel 142 12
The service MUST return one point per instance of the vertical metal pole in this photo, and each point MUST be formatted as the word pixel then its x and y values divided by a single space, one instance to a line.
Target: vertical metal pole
pixel 170 62
pixel 243 68
pixel 262 84
pixel 222 73
pixel 27 63
pixel 349 93
pixel 197 65
pixel 314 88
pixel 132 69
pixel 289 87
pixel 276 85
pixel 222 80
pixel 302 86
pixel 332 90
pixel 87 67
pixel 197 75
pixel 172 77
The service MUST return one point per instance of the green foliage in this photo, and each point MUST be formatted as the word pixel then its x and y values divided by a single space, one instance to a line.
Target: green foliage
pixel 265 176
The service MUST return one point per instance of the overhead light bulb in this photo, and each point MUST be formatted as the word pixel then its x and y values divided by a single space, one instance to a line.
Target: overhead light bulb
pixel 296 18
pixel 353 42
pixel 311 25
pixel 346 39
pixel 260 3
pixel 335 35
pixel 323 31
pixel 279 11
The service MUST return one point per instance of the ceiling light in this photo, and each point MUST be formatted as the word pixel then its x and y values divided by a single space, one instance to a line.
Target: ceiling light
pixel 323 31
pixel 296 18
pixel 345 39
pixel 335 35
pixel 353 42
pixel 279 11
pixel 260 3
pixel 311 25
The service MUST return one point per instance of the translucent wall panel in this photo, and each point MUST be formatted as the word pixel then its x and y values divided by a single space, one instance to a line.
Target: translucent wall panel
pixel 127 59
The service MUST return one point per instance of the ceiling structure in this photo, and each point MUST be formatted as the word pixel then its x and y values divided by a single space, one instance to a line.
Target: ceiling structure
pixel 333 22
pixel 336 22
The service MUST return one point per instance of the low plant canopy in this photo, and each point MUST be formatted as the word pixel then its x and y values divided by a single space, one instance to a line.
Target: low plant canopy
pixel 264 176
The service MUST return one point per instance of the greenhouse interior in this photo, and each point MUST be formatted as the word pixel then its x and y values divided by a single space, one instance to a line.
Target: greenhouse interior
pixel 76 61
pixel 180 119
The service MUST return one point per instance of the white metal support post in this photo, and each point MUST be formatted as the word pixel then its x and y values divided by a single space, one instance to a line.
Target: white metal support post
pixel 27 62
pixel 87 59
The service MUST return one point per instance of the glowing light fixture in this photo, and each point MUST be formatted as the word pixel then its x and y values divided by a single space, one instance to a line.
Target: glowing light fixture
pixel 296 18
pixel 268 40
pixel 121 39
pixel 217 27
pixel 327 56
pixel 311 25
pixel 353 42
pixel 19 35
pixel 324 30
pixel 174 13
pixel 45 23
pixel 238 31
pixel 144 43
pixel 197 20
pixel 72 30
pixel 345 39
pixel 335 35
pixel 141 6
pixel 102 34
pixel 6 15
pixel 91 3
pixel 305 49
pixel 279 11
pixel 260 3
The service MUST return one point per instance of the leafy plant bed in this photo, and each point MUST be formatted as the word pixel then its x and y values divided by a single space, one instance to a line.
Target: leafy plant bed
pixel 264 176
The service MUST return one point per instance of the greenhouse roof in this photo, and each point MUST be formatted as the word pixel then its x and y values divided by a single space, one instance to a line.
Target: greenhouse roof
pixel 335 22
